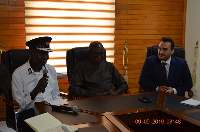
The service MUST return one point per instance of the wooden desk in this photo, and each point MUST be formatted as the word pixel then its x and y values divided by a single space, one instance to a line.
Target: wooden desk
pixel 157 117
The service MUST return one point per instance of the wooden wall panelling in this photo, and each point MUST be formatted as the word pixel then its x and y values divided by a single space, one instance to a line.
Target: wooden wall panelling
pixel 63 84
pixel 12 24
pixel 142 23
pixel 12 31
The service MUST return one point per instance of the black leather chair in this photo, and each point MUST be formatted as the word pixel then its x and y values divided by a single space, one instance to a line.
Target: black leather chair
pixel 74 56
pixel 13 59
pixel 178 51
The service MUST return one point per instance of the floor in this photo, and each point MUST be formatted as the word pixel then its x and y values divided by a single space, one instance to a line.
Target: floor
pixel 4 128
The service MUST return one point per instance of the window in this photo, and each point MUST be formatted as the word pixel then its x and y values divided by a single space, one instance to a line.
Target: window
pixel 71 23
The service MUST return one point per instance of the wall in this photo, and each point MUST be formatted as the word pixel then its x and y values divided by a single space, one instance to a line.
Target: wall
pixel 12 24
pixel 192 35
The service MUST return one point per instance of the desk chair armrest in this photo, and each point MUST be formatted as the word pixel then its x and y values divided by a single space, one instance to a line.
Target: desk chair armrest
pixel 12 103
pixel 12 122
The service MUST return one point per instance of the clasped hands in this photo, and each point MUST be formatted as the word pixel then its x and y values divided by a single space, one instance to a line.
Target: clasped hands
pixel 166 89
pixel 109 92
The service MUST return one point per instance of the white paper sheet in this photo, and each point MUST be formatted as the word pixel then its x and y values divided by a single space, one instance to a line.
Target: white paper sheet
pixel 57 102
pixel 191 102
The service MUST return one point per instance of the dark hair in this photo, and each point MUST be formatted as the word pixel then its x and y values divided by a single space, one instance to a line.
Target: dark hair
pixel 168 40
pixel 95 44
pixel 4 73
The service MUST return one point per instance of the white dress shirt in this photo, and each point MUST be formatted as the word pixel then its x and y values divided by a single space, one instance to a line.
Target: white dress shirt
pixel 24 80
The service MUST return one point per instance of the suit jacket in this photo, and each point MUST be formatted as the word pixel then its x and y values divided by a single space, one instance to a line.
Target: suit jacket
pixel 179 76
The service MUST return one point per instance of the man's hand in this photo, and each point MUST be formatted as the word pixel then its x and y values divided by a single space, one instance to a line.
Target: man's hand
pixel 166 89
pixel 169 90
pixel 42 84
pixel 101 94
pixel 162 88
pixel 111 92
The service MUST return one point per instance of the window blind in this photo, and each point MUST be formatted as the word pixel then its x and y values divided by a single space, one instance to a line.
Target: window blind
pixel 71 23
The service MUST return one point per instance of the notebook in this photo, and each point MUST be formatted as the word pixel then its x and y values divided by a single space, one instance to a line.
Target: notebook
pixel 48 123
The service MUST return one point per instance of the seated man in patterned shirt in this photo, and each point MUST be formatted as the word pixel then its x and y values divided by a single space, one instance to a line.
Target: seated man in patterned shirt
pixel 95 76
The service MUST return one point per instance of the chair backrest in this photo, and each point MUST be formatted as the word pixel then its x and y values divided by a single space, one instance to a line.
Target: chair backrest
pixel 178 51
pixel 13 59
pixel 74 56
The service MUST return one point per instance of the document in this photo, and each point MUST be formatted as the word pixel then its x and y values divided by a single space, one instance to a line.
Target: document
pixel 48 123
pixel 190 102
pixel 57 102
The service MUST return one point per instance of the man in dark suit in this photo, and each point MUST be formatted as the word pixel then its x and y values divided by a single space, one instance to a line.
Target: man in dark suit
pixel 177 78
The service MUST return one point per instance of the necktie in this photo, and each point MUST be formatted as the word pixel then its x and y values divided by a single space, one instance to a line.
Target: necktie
pixel 164 74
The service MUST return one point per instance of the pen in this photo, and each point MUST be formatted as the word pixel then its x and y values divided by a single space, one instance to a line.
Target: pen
pixel 65 129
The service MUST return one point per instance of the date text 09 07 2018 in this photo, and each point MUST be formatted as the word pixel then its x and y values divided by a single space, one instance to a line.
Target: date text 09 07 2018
pixel 157 121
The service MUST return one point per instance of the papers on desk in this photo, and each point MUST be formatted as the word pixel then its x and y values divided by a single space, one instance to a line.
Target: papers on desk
pixel 48 123
pixel 57 102
pixel 190 102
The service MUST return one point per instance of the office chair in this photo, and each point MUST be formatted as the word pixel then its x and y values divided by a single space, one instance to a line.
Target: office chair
pixel 13 59
pixel 178 51
pixel 74 56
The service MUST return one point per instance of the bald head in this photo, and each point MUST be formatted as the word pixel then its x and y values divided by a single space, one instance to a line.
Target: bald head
pixel 94 45
pixel 96 52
